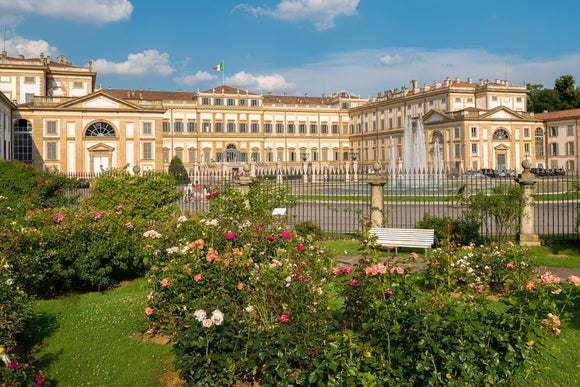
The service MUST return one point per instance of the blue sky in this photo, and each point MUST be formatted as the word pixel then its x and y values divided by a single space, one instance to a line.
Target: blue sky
pixel 300 46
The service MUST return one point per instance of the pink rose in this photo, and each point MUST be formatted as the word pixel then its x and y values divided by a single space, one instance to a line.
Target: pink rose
pixel 382 269
pixel 284 319
pixel 260 228
pixel 208 196
pixel 240 286
pixel 530 285
pixel 230 235
pixel 348 270
pixel 510 265
pixel 148 311
pixel 197 277
pixel 285 234
pixel 574 280
pixel 270 237
pixel 414 256
pixel 399 270
pixel 352 282
pixel 337 270
pixel 299 247
pixel 210 257
pixel 164 282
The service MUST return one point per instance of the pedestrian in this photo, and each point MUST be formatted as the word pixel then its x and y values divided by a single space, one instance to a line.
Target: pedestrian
pixel 464 194
pixel 187 192
pixel 196 189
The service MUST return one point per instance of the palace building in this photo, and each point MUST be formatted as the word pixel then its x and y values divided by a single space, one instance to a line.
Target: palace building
pixel 53 115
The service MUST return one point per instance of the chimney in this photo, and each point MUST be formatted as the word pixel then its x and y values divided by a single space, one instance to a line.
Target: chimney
pixel 285 94
pixel 480 81
pixel 497 81
pixel 323 95
pixel 269 93
pixel 426 87
pixel 447 81
pixel 306 94
pixel 110 88
pixel 141 89
pixel 179 91
pixel 413 85
pixel 20 56
pixel 457 80
pixel 469 80
pixel 150 89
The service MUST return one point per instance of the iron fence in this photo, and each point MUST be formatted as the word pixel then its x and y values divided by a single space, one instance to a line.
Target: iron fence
pixel 338 201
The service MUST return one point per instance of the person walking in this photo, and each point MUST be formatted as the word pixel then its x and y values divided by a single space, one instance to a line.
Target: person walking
pixel 464 194
pixel 187 192
pixel 197 189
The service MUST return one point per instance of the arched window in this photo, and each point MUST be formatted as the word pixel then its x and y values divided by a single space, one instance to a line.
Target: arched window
pixel 438 136
pixel 23 140
pixel 539 142
pixel 100 129
pixel 501 134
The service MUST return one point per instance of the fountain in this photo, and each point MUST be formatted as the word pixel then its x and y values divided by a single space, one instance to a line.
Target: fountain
pixel 414 153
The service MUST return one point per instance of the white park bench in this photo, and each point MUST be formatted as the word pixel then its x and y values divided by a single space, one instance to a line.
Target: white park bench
pixel 404 237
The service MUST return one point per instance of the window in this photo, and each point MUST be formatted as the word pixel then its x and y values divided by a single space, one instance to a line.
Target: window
pixel 254 102
pixel 192 127
pixel 147 154
pixel 243 102
pixel 334 129
pixel 374 126
pixel 192 156
pixel 231 127
pixel 179 155
pixel 205 101
pixel 256 157
pixel 539 142
pixel 570 130
pixel 50 127
pixel 255 127
pixel 398 122
pixel 442 100
pixel 570 165
pixel 553 149
pixel 291 128
pixel 431 103
pixel 219 127
pixel 206 127
pixel 302 129
pixel 456 132
pixel 243 127
pixel 553 131
pixel 29 97
pixel 457 99
pixel 519 99
pixel 100 129
pixel 469 100
pixel 78 85
pixel 345 156
pixel 366 126
pixel 494 98
pixel 570 148
pixel 390 123
pixel 165 157
pixel 23 140
pixel 345 129
pixel 280 155
pixel 324 156
pixel 501 134
pixel 231 102
pixel 473 132
pixel 269 157
pixel 166 127
pixel 29 80
pixel 178 126
pixel 323 129
pixel 474 165
pixel 351 129
pixel 474 149
pixel 526 132
pixel 314 155
pixel 218 101
pixel 147 131
pixel 526 149
pixel 336 156
pixel 382 124
pixel 268 128
pixel 457 150
pixel 279 128
pixel 344 105
pixel 51 151
pixel 292 156
pixel 313 129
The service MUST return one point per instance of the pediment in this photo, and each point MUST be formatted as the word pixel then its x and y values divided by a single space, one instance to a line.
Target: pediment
pixel 502 113
pixel 434 116
pixel 100 147
pixel 502 147
pixel 99 100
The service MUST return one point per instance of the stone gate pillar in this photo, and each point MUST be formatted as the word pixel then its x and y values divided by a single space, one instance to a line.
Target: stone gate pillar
pixel 377 181
pixel 527 235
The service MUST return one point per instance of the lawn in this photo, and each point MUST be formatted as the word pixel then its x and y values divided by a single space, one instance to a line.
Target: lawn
pixel 94 338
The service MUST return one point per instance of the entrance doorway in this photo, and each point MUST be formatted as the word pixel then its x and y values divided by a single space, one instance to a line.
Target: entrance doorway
pixel 501 162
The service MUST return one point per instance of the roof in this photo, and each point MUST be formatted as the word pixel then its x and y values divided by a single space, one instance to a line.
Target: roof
pixel 570 113
pixel 227 90
pixel 152 94
pixel 296 100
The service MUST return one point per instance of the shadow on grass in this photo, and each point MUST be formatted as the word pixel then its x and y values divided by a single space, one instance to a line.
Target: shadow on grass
pixel 37 329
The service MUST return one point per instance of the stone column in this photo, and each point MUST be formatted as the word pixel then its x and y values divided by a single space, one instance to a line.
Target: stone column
pixel 314 172
pixel 355 171
pixel 346 172
pixel 305 172
pixel 278 172
pixel 245 182
pixel 377 181
pixel 527 180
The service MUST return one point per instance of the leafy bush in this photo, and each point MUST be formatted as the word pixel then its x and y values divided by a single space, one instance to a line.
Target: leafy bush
pixel 463 231
pixel 178 171
pixel 145 195
pixel 15 306
pixel 304 229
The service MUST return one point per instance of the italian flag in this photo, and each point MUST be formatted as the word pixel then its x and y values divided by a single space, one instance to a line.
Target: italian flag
pixel 219 67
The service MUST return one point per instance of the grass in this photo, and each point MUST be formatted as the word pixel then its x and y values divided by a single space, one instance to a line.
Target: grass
pixel 90 339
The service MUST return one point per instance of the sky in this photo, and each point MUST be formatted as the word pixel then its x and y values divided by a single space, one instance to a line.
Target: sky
pixel 299 46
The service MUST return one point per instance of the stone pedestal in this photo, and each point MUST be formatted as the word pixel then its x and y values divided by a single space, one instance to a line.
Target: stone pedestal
pixel 377 182
pixel 245 182
pixel 527 235
pixel 355 171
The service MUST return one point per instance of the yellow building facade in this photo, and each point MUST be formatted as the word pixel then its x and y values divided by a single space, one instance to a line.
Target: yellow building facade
pixel 59 119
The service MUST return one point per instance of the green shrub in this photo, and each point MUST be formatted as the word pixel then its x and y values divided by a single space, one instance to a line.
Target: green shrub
pixel 463 231
pixel 178 171
pixel 307 228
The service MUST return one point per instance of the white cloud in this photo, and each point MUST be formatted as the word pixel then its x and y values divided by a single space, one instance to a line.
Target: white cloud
pixel 192 80
pixel 18 45
pixel 98 11
pixel 390 60
pixel 362 72
pixel 274 82
pixel 321 12
pixel 148 62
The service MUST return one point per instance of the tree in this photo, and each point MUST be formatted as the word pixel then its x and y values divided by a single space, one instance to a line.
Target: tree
pixel 177 170
pixel 568 94
pixel 564 96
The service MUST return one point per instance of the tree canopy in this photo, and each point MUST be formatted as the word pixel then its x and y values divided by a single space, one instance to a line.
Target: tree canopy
pixel 564 95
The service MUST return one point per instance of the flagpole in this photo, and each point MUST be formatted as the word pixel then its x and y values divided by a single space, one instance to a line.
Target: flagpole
pixel 223 73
